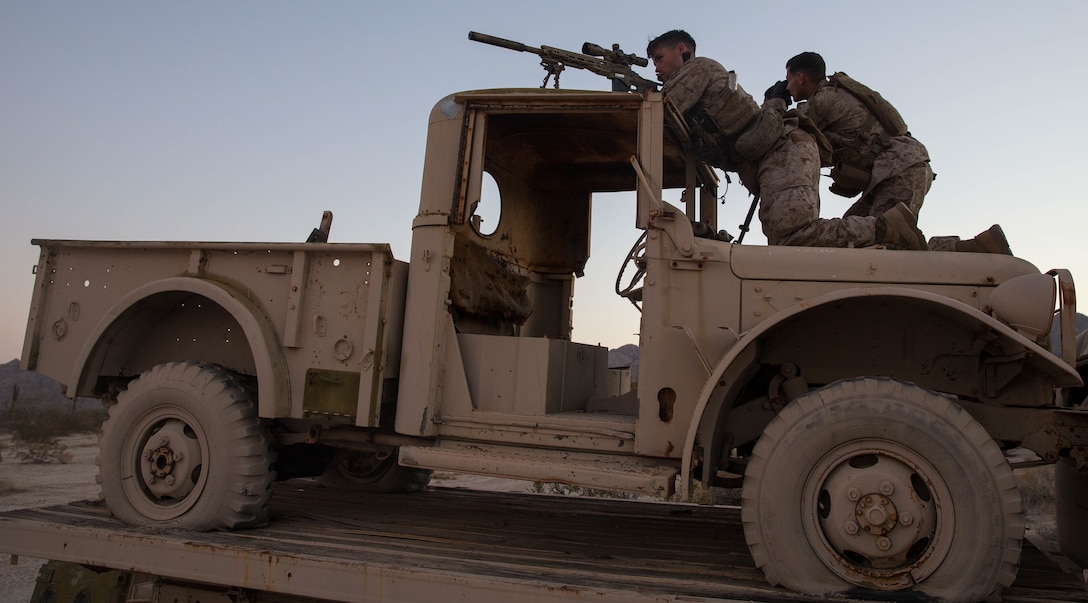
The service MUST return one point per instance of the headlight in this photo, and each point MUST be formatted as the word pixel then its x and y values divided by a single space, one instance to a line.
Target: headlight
pixel 1026 303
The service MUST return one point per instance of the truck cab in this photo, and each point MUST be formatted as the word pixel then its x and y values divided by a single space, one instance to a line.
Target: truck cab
pixel 491 334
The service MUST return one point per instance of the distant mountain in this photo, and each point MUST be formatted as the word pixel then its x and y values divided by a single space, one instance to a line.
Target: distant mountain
pixel 1082 324
pixel 622 356
pixel 34 390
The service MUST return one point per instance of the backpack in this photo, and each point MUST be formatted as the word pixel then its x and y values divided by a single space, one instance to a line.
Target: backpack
pixel 884 112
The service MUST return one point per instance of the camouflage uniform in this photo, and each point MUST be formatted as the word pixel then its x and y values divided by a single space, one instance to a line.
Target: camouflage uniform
pixel 900 168
pixel 786 177
pixel 789 209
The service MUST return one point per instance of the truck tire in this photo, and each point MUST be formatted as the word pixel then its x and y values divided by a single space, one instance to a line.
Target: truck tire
pixel 874 487
pixel 373 472
pixel 183 447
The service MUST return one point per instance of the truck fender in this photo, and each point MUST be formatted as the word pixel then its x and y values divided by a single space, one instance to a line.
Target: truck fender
pixel 274 392
pixel 732 371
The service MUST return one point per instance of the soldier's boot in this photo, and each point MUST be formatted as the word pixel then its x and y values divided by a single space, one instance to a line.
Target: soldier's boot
pixel 898 228
pixel 991 240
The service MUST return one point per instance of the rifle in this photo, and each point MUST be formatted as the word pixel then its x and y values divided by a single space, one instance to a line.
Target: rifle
pixel 613 64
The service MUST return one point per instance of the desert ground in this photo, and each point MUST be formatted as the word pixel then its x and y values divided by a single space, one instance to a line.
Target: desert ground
pixel 25 485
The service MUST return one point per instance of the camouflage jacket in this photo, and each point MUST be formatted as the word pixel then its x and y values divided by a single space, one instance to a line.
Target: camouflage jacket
pixel 857 136
pixel 700 88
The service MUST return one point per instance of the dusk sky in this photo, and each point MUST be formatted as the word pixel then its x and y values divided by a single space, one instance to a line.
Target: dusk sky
pixel 243 121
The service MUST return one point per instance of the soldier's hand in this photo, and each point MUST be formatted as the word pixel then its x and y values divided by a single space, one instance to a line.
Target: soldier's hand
pixel 778 90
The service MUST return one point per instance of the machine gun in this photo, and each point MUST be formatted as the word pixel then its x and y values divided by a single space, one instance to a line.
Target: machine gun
pixel 614 64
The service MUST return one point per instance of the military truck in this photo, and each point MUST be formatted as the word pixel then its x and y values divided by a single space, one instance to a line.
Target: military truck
pixel 863 399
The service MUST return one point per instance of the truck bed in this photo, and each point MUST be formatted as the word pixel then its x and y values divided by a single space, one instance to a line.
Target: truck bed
pixel 450 544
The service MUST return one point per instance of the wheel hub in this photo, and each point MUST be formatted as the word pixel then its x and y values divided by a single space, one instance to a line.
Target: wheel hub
pixel 169 458
pixel 877 515
pixel 161 461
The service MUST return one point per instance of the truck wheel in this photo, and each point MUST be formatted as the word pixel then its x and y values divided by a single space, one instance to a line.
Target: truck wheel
pixel 874 485
pixel 373 472
pixel 183 447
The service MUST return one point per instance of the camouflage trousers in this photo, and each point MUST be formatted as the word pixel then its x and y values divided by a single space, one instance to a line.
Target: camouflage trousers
pixel 909 186
pixel 789 208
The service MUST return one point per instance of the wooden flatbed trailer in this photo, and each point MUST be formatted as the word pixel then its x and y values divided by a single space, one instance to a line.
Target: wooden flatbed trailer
pixel 439 545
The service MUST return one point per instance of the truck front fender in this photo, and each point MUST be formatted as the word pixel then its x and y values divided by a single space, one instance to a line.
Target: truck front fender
pixel 734 370
pixel 274 392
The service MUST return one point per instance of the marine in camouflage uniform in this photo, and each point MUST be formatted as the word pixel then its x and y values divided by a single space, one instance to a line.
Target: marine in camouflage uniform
pixel 898 164
pixel 778 161
pixel 894 167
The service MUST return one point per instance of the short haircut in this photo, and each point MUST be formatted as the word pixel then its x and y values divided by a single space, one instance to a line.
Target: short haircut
pixel 671 39
pixel 810 64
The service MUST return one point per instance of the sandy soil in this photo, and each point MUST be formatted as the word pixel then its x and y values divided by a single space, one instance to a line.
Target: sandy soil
pixel 24 485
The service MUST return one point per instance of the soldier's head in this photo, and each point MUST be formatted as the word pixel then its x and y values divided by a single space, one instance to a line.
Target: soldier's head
pixel 670 51
pixel 803 73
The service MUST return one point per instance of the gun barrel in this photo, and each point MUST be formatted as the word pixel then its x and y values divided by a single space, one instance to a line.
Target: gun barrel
pixel 500 42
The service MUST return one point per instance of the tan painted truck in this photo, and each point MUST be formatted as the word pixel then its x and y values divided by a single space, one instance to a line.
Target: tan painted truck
pixel 864 398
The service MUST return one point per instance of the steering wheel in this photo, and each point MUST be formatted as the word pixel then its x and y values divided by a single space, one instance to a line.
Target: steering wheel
pixel 636 256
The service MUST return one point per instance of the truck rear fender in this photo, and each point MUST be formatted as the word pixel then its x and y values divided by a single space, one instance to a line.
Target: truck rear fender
pixel 741 363
pixel 274 391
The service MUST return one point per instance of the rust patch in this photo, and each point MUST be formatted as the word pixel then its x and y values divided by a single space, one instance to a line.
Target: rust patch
pixel 485 284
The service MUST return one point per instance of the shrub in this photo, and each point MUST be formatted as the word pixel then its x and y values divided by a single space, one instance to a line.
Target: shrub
pixel 34 425
pixel 50 451
pixel 35 432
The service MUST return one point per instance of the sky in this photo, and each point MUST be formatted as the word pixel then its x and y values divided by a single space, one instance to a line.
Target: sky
pixel 244 120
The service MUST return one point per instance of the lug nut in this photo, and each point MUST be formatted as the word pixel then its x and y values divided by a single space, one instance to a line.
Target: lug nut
pixel 886 488
pixel 883 543
pixel 851 528
pixel 853 494
pixel 906 519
